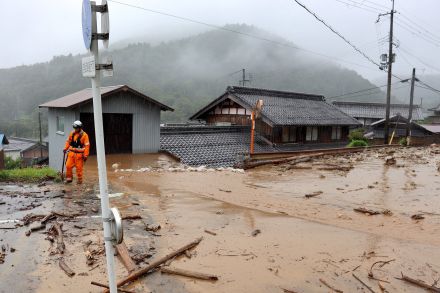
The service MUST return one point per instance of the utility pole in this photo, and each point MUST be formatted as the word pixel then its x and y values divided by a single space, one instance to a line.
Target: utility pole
pixel 411 100
pixel 390 69
pixel 243 80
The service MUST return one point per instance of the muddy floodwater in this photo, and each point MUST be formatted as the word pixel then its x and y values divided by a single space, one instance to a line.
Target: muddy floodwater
pixel 276 228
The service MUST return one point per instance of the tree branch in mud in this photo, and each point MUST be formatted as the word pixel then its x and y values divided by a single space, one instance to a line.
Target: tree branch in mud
pixel 330 287
pixel 66 268
pixel 370 273
pixel 56 230
pixel 154 265
pixel 291 160
pixel 363 283
pixel 105 286
pixel 190 274
pixel 419 283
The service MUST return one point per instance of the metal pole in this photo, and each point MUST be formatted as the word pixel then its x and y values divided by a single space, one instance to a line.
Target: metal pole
pixel 411 100
pixel 41 138
pixel 102 171
pixel 390 68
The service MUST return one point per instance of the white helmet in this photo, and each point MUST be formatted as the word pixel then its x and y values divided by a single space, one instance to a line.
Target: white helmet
pixel 77 124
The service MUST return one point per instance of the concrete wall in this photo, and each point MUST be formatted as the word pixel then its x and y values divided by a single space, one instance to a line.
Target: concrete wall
pixel 13 154
pixel 146 124
pixel 58 139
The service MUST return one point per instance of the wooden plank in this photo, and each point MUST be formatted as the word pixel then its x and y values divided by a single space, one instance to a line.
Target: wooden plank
pixel 125 258
pixel 190 274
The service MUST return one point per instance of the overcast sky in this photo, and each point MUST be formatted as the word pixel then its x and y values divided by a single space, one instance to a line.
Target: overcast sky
pixel 34 31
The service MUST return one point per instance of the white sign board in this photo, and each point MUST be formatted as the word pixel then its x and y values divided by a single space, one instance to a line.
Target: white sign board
pixel 105 24
pixel 107 60
pixel 88 66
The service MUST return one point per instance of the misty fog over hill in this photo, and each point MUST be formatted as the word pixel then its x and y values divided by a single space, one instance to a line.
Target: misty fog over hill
pixel 184 74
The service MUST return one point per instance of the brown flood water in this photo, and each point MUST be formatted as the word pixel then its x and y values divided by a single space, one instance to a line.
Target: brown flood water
pixel 301 240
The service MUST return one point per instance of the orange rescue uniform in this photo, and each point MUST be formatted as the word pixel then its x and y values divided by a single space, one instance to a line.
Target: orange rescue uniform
pixel 78 147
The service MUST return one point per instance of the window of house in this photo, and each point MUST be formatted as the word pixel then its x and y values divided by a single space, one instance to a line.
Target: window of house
pixel 241 111
pixel 336 132
pixel 312 133
pixel 60 124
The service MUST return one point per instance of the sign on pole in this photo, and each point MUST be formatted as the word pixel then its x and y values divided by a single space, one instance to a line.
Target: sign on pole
pixel 89 66
pixel 87 23
pixel 105 23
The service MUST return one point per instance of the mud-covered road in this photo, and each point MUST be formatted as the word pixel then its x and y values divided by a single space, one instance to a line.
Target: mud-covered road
pixel 269 237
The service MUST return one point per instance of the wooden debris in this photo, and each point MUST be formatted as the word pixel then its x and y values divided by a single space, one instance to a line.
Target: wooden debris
pixel 105 286
pixel 366 211
pixel 288 291
pixel 256 232
pixel 152 227
pixel 56 230
pixel 363 283
pixel 417 217
pixel 313 194
pixel 382 263
pixel 154 265
pixel 66 268
pixel 210 232
pixel 419 283
pixel 131 217
pixel 298 159
pixel 336 168
pixel 225 190
pixel 190 274
pixel 330 287
pixel 125 258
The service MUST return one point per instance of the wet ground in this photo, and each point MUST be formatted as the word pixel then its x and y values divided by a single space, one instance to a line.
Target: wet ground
pixel 269 236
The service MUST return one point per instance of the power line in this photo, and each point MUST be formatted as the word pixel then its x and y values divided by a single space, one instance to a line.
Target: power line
pixel 429 87
pixel 418 34
pixel 371 93
pixel 284 44
pixel 418 28
pixel 360 6
pixel 420 60
pixel 337 33
pixel 360 91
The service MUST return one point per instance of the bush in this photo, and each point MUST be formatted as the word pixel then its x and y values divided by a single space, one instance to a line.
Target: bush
pixel 10 163
pixel 29 175
pixel 357 134
pixel 357 143
pixel 403 141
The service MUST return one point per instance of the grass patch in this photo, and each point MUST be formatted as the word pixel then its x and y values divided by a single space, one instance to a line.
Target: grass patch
pixel 357 143
pixel 29 175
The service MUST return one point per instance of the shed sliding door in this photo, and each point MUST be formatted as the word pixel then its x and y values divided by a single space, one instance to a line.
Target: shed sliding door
pixel 118 132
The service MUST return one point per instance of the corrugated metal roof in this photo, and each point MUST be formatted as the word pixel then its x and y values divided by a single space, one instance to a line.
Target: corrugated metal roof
pixel 86 95
pixel 377 110
pixel 432 127
pixel 286 108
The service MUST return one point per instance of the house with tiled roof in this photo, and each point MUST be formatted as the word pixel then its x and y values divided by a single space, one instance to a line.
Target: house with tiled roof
pixel 286 117
pixel 287 122
pixel 368 113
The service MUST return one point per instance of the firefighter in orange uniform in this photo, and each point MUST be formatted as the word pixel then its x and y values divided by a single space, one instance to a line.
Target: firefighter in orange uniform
pixel 77 148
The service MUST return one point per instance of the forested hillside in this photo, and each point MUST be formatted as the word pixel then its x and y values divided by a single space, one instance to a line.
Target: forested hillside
pixel 184 74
